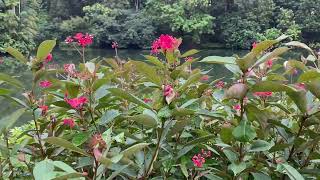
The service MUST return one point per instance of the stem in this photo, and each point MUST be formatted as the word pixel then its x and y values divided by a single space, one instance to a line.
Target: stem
pixel 241 118
pixel 155 154
pixel 96 165
pixel 303 120
pixel 83 60
pixel 38 135
pixel 9 162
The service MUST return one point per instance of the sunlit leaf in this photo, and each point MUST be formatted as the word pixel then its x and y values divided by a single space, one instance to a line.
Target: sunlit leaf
pixel 16 54
pixel 45 48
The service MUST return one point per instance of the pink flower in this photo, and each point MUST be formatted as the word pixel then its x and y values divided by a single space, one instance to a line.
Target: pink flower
pixel 77 103
pixel 205 78
pixel 205 154
pixel 263 94
pixel 69 40
pixel 69 122
pixel 147 100
pixel 48 58
pixel 237 107
pixel 198 160
pixel 44 109
pixel 45 84
pixel 165 43
pixel 269 63
pixel 254 45
pixel 168 90
pixel 188 58
pixel 84 40
pixel 220 85
pixel 300 86
pixel 114 45
pixel 69 69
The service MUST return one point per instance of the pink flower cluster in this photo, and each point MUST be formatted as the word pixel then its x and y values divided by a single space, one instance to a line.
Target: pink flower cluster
pixel 220 85
pixel 69 69
pixel 114 45
pixel 45 84
pixel 77 103
pixel 44 109
pixel 168 90
pixel 69 122
pixel 82 39
pixel 263 94
pixel 48 58
pixel 199 159
pixel 165 43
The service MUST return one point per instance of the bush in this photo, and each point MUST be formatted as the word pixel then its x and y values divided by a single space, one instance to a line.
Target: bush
pixel 161 118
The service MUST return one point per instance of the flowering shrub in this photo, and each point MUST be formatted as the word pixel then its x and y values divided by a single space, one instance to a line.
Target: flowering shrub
pixel 160 119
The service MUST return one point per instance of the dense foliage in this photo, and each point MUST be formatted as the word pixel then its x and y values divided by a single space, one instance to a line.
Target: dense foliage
pixel 163 119
pixel 135 23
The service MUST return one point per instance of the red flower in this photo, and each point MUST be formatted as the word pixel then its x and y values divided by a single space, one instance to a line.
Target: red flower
pixel 84 40
pixel 69 69
pixel 165 43
pixel 48 58
pixel 69 122
pixel 220 85
pixel 77 103
pixel 69 40
pixel 147 100
pixel 237 107
pixel 114 45
pixel 168 90
pixel 45 84
pixel 44 109
pixel 254 45
pixel 269 63
pixel 205 78
pixel 263 94
pixel 198 160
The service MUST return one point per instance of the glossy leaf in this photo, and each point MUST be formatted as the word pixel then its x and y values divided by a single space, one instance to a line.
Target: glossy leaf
pixel 219 60
pixel 145 120
pixel 292 172
pixel 65 144
pixel 45 48
pixel 133 149
pixel 126 96
pixel 148 71
pixel 16 54
pixel 189 53
pixel 10 80
pixel 260 145
pixel 244 132
pixel 9 121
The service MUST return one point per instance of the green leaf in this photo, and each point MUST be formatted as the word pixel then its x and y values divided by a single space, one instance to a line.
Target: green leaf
pixel 148 71
pixel 145 120
pixel 192 79
pixel 299 45
pixel 314 87
pixel 237 168
pixel 70 176
pixel 155 60
pixel 260 176
pixel 65 144
pixel 63 166
pixel 133 149
pixel 45 48
pixel 226 135
pixel 170 57
pixel 80 138
pixel 291 172
pixel 279 147
pixel 16 54
pixel 260 145
pixel 189 53
pixel 264 45
pixel 127 96
pixel 109 116
pixel 297 64
pixel 219 60
pixel 43 170
pixel 10 80
pixel 244 132
pixel 309 75
pixel 5 91
pixel 275 53
pixel 116 173
pixel 8 121
pixel 199 140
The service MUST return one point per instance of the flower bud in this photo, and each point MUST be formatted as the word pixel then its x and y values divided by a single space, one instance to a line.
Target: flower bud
pixel 237 91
